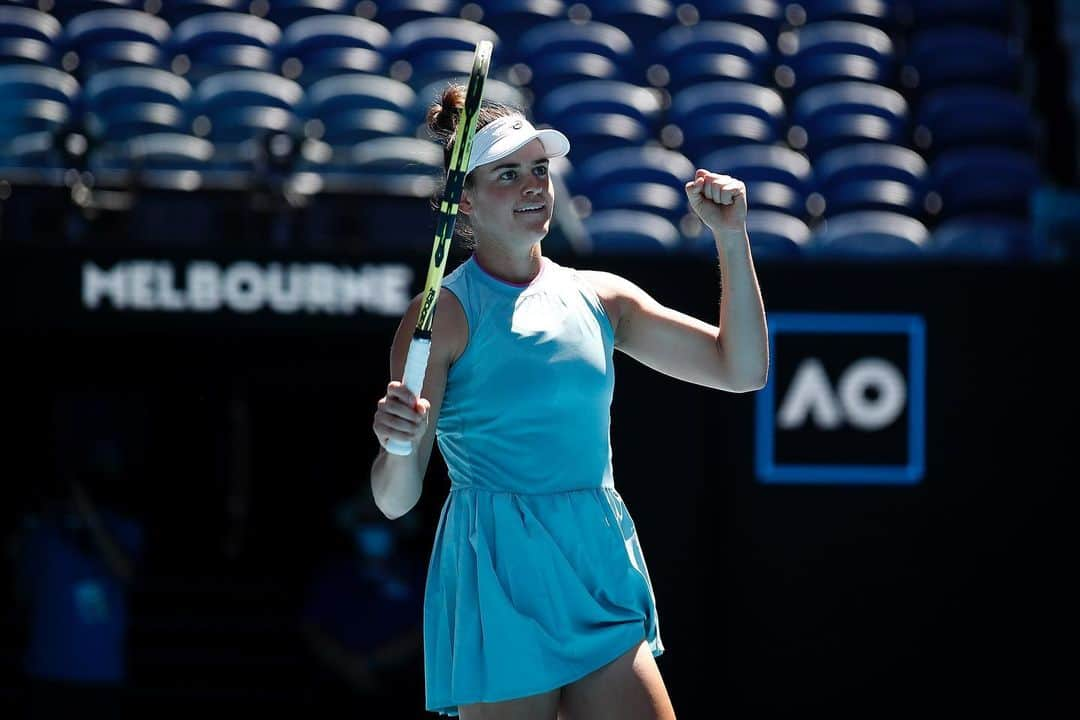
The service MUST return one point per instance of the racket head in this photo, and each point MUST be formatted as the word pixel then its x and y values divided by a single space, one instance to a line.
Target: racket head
pixel 460 154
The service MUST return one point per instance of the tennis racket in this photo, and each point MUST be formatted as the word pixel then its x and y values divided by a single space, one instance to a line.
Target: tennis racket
pixel 420 345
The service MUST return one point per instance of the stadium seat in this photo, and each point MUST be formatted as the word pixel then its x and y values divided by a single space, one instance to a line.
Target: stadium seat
pixel 631 232
pixel 765 16
pixel 558 69
pixel 656 198
pixel 318 47
pixel 711 51
pixel 951 56
pixel 27 36
pixel 567 36
pixel 285 12
pixel 596 132
pixel 104 39
pixel 984 180
pixel 873 177
pixel 600 96
pixel 726 113
pixel 987 237
pixel 777 178
pixel 773 236
pixel 438 47
pixel 212 43
pixel 177 11
pixel 631 165
pixel 882 14
pixel 994 14
pixel 351 108
pixel 642 20
pixel 965 116
pixel 495 91
pixel 836 114
pixel 65 10
pixel 36 106
pixel 513 18
pixel 869 235
pixel 123 103
pixel 835 51
pixel 394 13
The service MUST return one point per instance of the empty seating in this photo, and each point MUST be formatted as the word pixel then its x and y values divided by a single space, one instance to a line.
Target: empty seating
pixel 773 236
pixel 951 56
pixel 27 36
pixel 883 14
pixel 828 116
pixel 989 237
pixel 833 51
pixel 765 16
pixel 642 20
pixel 870 234
pixel 123 103
pixel 973 115
pixel 725 113
pixel 211 43
pixel 777 178
pixel 393 13
pixel 873 177
pixel 285 12
pixel 600 114
pixel 631 232
pixel 439 47
pixel 347 109
pixel 324 45
pixel 984 179
pixel 711 51
pixel 103 39
pixel 513 18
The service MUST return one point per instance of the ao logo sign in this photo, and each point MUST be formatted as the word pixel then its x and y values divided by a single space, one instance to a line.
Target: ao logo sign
pixel 845 400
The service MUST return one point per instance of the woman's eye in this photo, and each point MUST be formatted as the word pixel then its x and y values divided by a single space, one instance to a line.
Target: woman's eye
pixel 541 170
pixel 508 175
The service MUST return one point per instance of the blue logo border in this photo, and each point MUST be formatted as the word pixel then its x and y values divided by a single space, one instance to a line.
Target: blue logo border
pixel 911 473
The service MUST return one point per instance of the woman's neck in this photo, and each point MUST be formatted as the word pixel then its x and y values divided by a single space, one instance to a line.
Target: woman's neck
pixel 513 267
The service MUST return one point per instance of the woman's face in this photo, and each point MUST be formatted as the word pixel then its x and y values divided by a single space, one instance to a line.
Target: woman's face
pixel 511 199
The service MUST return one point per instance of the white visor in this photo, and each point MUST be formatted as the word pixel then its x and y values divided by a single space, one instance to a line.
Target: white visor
pixel 509 134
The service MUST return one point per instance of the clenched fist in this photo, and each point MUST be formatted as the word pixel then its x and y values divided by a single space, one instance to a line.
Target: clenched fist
pixel 719 200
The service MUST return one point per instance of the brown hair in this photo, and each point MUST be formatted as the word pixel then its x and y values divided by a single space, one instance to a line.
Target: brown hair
pixel 442 120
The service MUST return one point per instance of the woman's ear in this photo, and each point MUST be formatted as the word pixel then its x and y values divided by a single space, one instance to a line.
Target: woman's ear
pixel 465 204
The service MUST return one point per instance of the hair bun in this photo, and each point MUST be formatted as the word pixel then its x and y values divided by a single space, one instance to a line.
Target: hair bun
pixel 442 116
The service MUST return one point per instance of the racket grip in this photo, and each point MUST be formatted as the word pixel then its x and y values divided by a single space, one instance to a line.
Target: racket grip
pixel 415 369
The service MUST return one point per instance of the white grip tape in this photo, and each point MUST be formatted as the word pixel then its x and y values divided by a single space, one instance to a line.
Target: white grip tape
pixel 415 369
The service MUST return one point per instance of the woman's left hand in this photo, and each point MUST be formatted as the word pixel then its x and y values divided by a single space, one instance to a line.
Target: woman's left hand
pixel 719 200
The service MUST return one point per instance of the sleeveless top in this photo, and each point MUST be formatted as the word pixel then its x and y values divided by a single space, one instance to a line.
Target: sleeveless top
pixel 527 405
pixel 536 576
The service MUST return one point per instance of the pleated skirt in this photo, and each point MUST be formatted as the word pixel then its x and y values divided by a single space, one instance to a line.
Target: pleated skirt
pixel 528 593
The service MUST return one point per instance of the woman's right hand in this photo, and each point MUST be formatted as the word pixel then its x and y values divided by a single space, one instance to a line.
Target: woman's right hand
pixel 401 416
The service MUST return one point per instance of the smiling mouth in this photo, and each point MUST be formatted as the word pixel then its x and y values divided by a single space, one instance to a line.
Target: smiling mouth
pixel 530 209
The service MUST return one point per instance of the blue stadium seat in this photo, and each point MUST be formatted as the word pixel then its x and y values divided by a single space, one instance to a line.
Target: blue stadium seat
pixel 631 232
pixel 596 132
pixel 394 13
pixel 513 18
pixel 984 180
pixel 987 237
pixel 883 14
pixel 123 103
pixel 36 106
pixel 495 91
pixel 642 20
pixel 890 195
pixel 993 14
pixel 437 47
pixel 631 165
pixel 27 36
pixel 726 113
pixel 399 165
pixel 836 114
pixel 211 43
pixel 869 235
pixel 965 116
pixel 711 51
pixel 600 97
pixel 177 11
pixel 873 177
pixel 765 16
pixel 317 47
pixel 65 10
pixel 777 178
pixel 656 198
pixel 835 51
pixel 567 36
pixel 773 236
pixel 285 12
pixel 951 56
pixel 353 108
pixel 104 39
pixel 242 105
pixel 558 69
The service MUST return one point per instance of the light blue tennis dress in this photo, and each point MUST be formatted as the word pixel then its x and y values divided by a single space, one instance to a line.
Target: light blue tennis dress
pixel 536 576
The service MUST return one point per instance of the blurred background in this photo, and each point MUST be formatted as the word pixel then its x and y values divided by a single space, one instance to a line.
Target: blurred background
pixel 214 212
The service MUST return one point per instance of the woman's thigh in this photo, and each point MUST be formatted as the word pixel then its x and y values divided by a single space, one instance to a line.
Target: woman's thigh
pixel 534 707
pixel 629 688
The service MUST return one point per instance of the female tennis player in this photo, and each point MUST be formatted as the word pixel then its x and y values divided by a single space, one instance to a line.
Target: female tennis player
pixel 538 602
